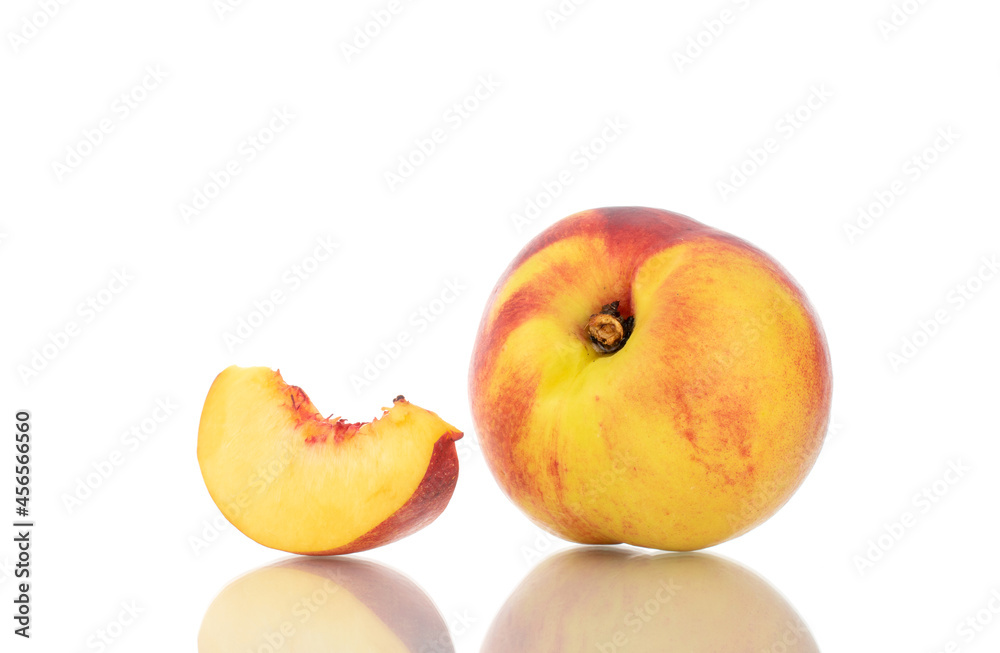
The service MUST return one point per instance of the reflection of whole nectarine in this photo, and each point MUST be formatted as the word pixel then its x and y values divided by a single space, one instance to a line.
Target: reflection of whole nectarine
pixel 612 601
pixel 640 377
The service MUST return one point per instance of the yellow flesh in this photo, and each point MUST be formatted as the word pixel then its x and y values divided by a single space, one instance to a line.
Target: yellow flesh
pixel 299 497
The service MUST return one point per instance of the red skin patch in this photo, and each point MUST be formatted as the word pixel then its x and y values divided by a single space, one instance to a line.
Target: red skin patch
pixel 428 501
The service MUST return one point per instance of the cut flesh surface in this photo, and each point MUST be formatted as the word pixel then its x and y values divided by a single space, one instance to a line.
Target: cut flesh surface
pixel 294 480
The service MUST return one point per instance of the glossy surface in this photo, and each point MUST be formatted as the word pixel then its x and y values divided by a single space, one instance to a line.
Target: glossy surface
pixel 697 430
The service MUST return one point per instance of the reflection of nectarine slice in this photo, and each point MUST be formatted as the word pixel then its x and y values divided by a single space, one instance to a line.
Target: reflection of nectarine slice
pixel 294 480
pixel 309 604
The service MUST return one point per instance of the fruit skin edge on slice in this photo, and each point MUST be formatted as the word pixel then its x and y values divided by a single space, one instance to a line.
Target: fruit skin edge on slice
pixel 293 480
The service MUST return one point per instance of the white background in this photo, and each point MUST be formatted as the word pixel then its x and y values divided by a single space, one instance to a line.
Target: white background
pixel 896 428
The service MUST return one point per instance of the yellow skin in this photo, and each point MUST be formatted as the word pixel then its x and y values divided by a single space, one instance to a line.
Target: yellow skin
pixel 697 430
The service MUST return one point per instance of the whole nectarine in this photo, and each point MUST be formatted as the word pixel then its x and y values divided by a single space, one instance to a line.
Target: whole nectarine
pixel 640 377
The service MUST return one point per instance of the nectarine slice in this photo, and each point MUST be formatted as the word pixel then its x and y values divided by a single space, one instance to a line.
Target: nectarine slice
pixel 293 480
